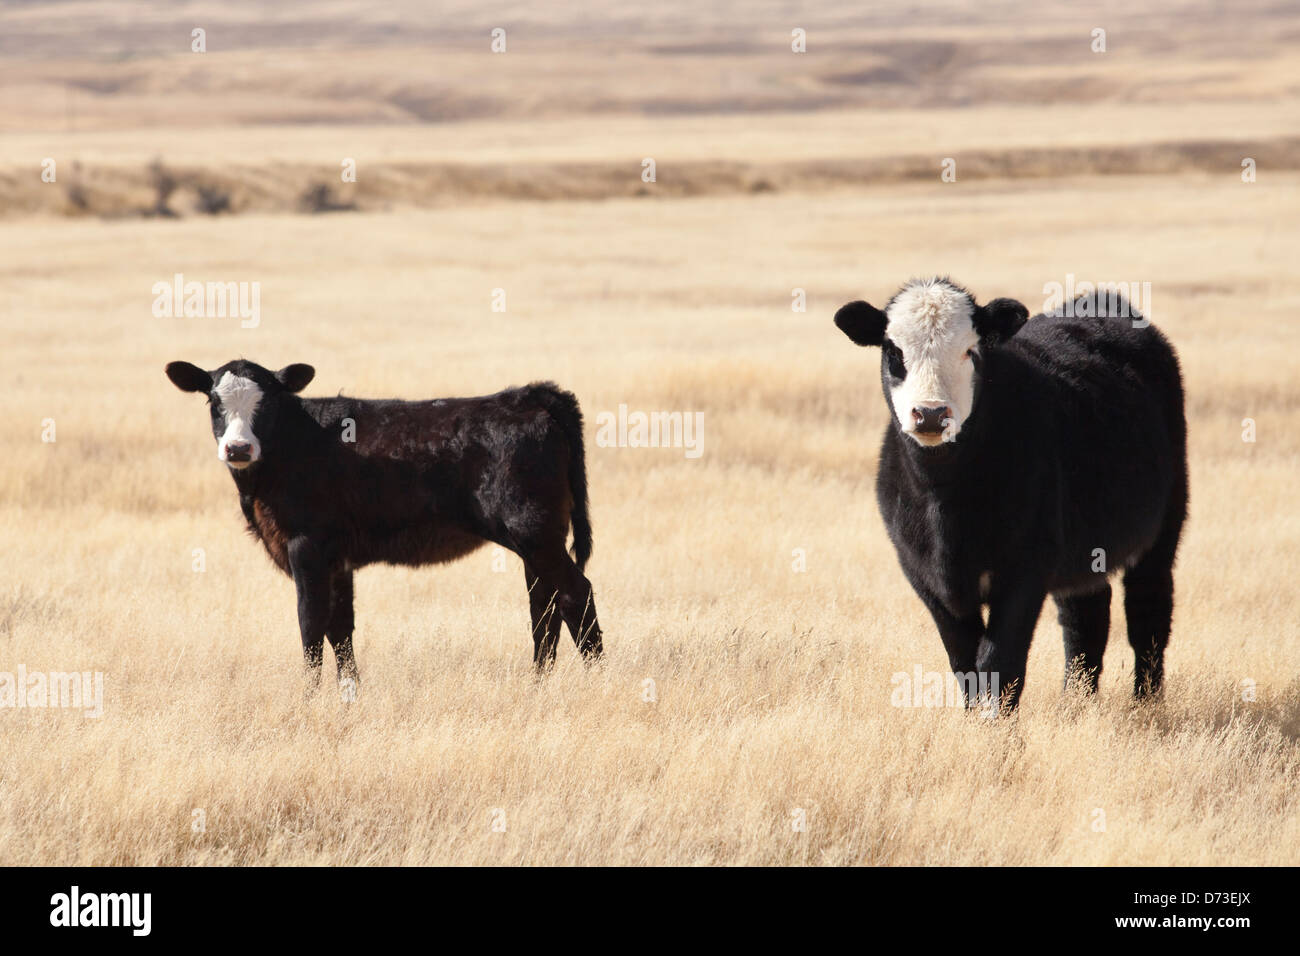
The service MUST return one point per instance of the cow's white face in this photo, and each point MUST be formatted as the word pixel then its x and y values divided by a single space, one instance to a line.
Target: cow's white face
pixel 933 339
pixel 247 404
pixel 235 402
pixel 931 350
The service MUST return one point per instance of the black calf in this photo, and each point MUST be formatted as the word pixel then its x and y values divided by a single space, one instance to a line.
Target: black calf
pixel 1062 458
pixel 329 485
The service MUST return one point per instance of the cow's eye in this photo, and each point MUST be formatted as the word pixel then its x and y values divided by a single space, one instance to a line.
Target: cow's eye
pixel 970 353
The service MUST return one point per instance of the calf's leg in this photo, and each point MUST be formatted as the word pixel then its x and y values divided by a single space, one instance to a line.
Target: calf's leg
pixel 578 605
pixel 1004 648
pixel 1085 622
pixel 562 584
pixel 339 631
pixel 311 577
pixel 546 619
pixel 961 638
pixel 1149 610
pixel 1149 601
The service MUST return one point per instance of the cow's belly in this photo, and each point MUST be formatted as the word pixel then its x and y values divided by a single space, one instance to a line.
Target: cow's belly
pixel 418 545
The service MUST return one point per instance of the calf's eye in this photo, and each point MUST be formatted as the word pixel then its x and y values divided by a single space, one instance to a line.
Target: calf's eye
pixel 894 360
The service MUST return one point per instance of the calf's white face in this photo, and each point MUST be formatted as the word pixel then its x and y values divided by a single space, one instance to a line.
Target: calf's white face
pixel 235 401
pixel 933 339
pixel 247 404
pixel 931 328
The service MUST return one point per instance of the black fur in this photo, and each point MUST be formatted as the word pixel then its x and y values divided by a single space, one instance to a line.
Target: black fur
pixel 1076 441
pixel 424 482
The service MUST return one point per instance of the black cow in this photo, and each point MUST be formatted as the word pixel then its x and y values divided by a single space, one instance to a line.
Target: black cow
pixel 1027 458
pixel 329 485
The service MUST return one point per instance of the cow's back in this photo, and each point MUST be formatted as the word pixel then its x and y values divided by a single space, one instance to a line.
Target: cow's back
pixel 1109 411
pixel 419 482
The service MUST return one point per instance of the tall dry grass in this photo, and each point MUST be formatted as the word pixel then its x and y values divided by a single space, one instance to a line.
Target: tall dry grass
pixel 772 688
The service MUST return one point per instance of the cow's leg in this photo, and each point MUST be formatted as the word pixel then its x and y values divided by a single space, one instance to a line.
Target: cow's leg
pixel 961 638
pixel 339 631
pixel 573 596
pixel 1149 602
pixel 1149 610
pixel 1085 623
pixel 311 576
pixel 1004 649
pixel 578 605
pixel 546 619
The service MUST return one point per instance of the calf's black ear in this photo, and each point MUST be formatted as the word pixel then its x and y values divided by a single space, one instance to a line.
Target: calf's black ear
pixel 1000 319
pixel 862 322
pixel 189 378
pixel 295 377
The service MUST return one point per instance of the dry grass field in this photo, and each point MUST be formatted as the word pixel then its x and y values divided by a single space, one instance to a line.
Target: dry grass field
pixel 739 696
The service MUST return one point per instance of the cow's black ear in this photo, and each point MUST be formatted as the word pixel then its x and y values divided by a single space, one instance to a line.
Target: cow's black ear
pixel 296 377
pixel 189 378
pixel 1000 319
pixel 861 322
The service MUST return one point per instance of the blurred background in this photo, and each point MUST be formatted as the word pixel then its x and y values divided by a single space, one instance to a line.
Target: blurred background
pixel 413 93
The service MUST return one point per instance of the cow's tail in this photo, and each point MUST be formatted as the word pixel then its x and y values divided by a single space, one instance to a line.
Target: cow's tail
pixel 564 408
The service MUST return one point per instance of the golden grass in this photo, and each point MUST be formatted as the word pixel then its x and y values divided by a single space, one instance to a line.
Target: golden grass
pixel 773 687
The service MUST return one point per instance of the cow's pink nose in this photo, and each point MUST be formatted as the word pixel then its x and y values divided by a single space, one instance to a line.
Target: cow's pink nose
pixel 239 451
